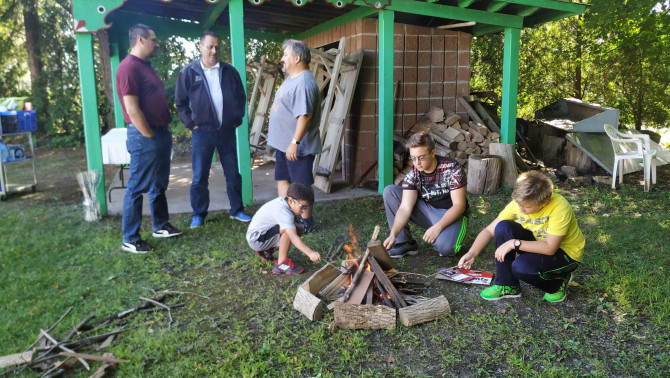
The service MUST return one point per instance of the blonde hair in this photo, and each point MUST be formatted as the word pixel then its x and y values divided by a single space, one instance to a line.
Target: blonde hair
pixel 421 139
pixel 533 187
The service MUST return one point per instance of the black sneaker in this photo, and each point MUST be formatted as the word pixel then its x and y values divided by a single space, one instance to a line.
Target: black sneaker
pixel 139 246
pixel 401 249
pixel 166 231
pixel 266 255
pixel 307 224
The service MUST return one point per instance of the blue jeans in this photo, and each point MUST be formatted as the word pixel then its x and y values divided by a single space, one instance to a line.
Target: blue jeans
pixel 203 144
pixel 149 172
pixel 450 240
pixel 544 272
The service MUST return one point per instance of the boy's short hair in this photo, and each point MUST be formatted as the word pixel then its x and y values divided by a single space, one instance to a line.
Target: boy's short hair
pixel 300 192
pixel 421 139
pixel 533 187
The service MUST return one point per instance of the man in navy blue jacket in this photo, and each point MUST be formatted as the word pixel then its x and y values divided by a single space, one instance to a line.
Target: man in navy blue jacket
pixel 210 100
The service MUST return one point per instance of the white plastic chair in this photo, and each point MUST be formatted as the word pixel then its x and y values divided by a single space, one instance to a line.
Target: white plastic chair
pixel 632 146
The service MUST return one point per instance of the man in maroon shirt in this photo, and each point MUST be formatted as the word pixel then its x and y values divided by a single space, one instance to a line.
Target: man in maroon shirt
pixel 146 112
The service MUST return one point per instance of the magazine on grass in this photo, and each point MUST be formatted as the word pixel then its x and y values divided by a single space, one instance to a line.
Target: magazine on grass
pixel 468 276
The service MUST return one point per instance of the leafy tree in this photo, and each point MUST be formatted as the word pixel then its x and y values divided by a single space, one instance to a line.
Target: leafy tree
pixel 615 54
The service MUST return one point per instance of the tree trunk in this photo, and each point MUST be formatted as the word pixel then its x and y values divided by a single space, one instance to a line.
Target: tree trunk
pixel 106 68
pixel 33 32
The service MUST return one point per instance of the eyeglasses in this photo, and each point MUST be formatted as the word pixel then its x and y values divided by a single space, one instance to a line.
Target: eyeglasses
pixel 302 207
pixel 415 159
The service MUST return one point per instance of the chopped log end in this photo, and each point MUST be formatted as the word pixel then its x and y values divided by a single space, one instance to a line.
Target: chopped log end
pixel 424 311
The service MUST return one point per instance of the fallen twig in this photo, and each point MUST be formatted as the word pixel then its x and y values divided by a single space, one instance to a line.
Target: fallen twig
pixel 78 327
pixel 64 348
pixel 92 357
pixel 49 329
pixel 160 305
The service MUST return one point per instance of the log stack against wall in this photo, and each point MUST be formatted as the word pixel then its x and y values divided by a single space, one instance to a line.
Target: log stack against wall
pixel 453 138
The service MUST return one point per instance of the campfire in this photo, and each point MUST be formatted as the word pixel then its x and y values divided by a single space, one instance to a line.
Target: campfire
pixel 362 294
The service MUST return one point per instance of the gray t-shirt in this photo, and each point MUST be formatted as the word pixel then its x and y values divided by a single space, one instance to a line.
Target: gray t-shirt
pixel 273 213
pixel 296 97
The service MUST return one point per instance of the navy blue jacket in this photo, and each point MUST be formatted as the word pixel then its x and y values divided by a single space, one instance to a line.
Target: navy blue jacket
pixel 194 104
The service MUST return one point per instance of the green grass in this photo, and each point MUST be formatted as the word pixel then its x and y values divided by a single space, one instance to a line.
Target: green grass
pixel 615 322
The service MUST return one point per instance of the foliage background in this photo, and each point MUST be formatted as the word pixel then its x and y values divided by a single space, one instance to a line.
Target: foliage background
pixel 615 54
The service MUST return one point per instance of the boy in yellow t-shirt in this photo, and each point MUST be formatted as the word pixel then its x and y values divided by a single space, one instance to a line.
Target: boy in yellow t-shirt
pixel 540 229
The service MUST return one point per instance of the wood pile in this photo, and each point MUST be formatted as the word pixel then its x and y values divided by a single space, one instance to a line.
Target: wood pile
pixel 366 294
pixel 55 354
pixel 453 138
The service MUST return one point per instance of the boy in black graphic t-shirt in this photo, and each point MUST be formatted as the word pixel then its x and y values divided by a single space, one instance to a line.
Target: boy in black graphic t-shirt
pixel 432 196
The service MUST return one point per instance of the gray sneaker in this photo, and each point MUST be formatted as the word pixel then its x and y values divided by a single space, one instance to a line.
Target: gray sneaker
pixel 401 249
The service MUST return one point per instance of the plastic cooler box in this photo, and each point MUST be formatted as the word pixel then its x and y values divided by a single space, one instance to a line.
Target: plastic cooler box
pixel 18 121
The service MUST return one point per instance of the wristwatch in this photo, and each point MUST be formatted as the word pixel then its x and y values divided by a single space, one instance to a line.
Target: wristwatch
pixel 517 244
pixel 294 141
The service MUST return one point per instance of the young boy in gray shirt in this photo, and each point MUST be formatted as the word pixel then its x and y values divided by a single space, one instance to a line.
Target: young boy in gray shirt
pixel 273 226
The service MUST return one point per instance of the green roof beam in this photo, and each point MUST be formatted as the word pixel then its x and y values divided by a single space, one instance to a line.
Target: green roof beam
pixel 212 14
pixel 465 3
pixel 525 11
pixel 481 29
pixel 541 19
pixel 359 12
pixel 551 4
pixel 452 13
pixel 495 6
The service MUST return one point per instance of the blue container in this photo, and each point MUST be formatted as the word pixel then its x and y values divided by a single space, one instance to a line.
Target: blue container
pixel 27 121
pixel 18 121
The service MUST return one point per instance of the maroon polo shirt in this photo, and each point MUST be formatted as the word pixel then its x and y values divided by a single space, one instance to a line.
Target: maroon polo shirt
pixel 136 77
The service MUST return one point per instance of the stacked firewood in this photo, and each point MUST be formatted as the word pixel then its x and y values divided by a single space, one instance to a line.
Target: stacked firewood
pixel 453 138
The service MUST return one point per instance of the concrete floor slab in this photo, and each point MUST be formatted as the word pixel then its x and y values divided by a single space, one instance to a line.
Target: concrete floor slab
pixel 262 178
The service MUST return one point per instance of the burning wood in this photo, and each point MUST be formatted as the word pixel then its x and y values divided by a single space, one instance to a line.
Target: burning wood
pixel 363 296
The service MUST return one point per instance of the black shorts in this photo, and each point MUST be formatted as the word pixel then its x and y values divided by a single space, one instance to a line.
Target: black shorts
pixel 294 171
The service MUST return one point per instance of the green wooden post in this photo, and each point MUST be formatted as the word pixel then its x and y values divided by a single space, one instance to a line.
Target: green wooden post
pixel 89 107
pixel 385 99
pixel 237 51
pixel 114 61
pixel 510 85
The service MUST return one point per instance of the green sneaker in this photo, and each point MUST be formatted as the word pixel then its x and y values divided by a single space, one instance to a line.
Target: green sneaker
pixel 562 292
pixel 496 292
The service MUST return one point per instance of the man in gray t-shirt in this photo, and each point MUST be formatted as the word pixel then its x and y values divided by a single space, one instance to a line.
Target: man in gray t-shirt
pixel 294 124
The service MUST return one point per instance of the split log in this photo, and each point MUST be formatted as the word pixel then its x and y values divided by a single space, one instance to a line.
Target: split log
pixel 361 288
pixel 506 153
pixel 353 316
pixel 436 114
pixel 483 174
pixel 357 275
pixel 424 311
pixel 451 134
pixel 308 304
pixel 338 285
pixel 380 254
pixel 578 159
pixel 320 279
pixel 386 283
pixel 451 118
pixel 552 147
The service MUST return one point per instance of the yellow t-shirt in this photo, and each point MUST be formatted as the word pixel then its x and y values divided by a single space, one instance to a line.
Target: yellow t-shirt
pixel 556 218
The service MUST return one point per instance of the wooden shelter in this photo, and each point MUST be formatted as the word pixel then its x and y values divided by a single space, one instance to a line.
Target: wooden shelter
pixel 302 19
